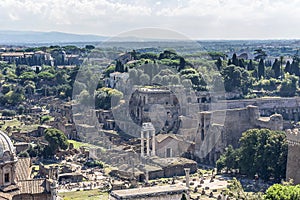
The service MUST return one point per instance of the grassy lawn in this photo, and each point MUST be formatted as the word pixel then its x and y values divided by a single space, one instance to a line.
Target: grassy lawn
pixel 77 144
pixel 11 123
pixel 16 123
pixel 88 194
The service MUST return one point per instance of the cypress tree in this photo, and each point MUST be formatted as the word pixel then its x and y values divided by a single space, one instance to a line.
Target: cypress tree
pixel 276 68
pixel 181 64
pixel 295 68
pixel 250 65
pixel 219 63
pixel 261 69
pixel 241 63
pixel 235 60
pixel 287 68
pixel 229 62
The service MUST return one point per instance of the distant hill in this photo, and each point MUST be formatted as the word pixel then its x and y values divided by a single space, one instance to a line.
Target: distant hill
pixel 34 37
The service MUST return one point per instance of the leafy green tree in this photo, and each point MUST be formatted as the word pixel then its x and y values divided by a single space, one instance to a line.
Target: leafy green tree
pixel 144 79
pixel 119 66
pixel 157 79
pixel 45 118
pixel 183 197
pixel 168 54
pixel 61 77
pixel 236 79
pixel 27 76
pixel 20 109
pixel 194 76
pixel 283 192
pixel 14 97
pixel 175 80
pixel 264 152
pixel 109 69
pixel 228 159
pixel 85 98
pixel 261 69
pixel 89 47
pixel 45 75
pixel 9 113
pixel 105 98
pixel 261 151
pixel 288 86
pixel 6 88
pixel 149 55
pixel 260 54
pixel 56 140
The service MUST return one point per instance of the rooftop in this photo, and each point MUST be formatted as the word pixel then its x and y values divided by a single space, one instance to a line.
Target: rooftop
pixel 23 169
pixel 148 191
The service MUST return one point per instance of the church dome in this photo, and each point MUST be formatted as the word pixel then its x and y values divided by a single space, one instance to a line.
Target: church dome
pixel 6 146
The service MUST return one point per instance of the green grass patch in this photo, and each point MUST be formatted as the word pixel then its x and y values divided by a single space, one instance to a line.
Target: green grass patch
pixel 18 126
pixel 88 194
pixel 77 144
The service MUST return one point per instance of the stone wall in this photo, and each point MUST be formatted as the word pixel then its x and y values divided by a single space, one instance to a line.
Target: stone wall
pixel 218 129
pixel 32 197
pixel 288 107
pixel 293 160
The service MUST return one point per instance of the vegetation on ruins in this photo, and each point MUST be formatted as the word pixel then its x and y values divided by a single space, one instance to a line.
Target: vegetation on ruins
pixel 56 139
pixel 283 192
pixel 247 78
pixel 262 152
pixel 105 98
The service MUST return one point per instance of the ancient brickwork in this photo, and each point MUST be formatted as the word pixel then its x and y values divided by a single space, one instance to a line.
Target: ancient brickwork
pixel 293 161
pixel 218 129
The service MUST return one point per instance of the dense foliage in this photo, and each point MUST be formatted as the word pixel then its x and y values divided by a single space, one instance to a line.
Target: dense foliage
pixel 202 71
pixel 262 152
pixel 56 140
pixel 283 192
pixel 107 97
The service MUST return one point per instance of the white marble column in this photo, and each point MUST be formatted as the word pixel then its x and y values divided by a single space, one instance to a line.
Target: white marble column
pixel 153 143
pixel 187 177
pixel 142 144
pixel 148 142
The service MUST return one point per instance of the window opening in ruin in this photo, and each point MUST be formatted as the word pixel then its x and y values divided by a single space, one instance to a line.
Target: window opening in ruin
pixel 6 177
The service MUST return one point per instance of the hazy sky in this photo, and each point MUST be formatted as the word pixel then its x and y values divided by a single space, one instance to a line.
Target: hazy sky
pixel 198 19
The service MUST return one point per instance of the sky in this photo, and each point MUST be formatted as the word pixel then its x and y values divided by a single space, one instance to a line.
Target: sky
pixel 195 19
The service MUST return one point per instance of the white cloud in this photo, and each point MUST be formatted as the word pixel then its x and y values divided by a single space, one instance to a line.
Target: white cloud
pixel 196 18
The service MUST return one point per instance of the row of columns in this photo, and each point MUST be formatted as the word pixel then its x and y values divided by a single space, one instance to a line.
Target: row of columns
pixel 148 134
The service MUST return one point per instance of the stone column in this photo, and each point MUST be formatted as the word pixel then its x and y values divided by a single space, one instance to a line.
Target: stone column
pixel 187 177
pixel 187 181
pixel 142 144
pixel 153 143
pixel 53 190
pixel 148 143
pixel 147 176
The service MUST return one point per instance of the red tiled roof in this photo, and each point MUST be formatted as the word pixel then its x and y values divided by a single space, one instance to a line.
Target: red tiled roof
pixel 35 186
pixel 23 169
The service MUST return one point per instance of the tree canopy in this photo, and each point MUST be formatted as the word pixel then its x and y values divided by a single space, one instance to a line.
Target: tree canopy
pixel 261 151
pixel 56 139
pixel 283 192
pixel 105 98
